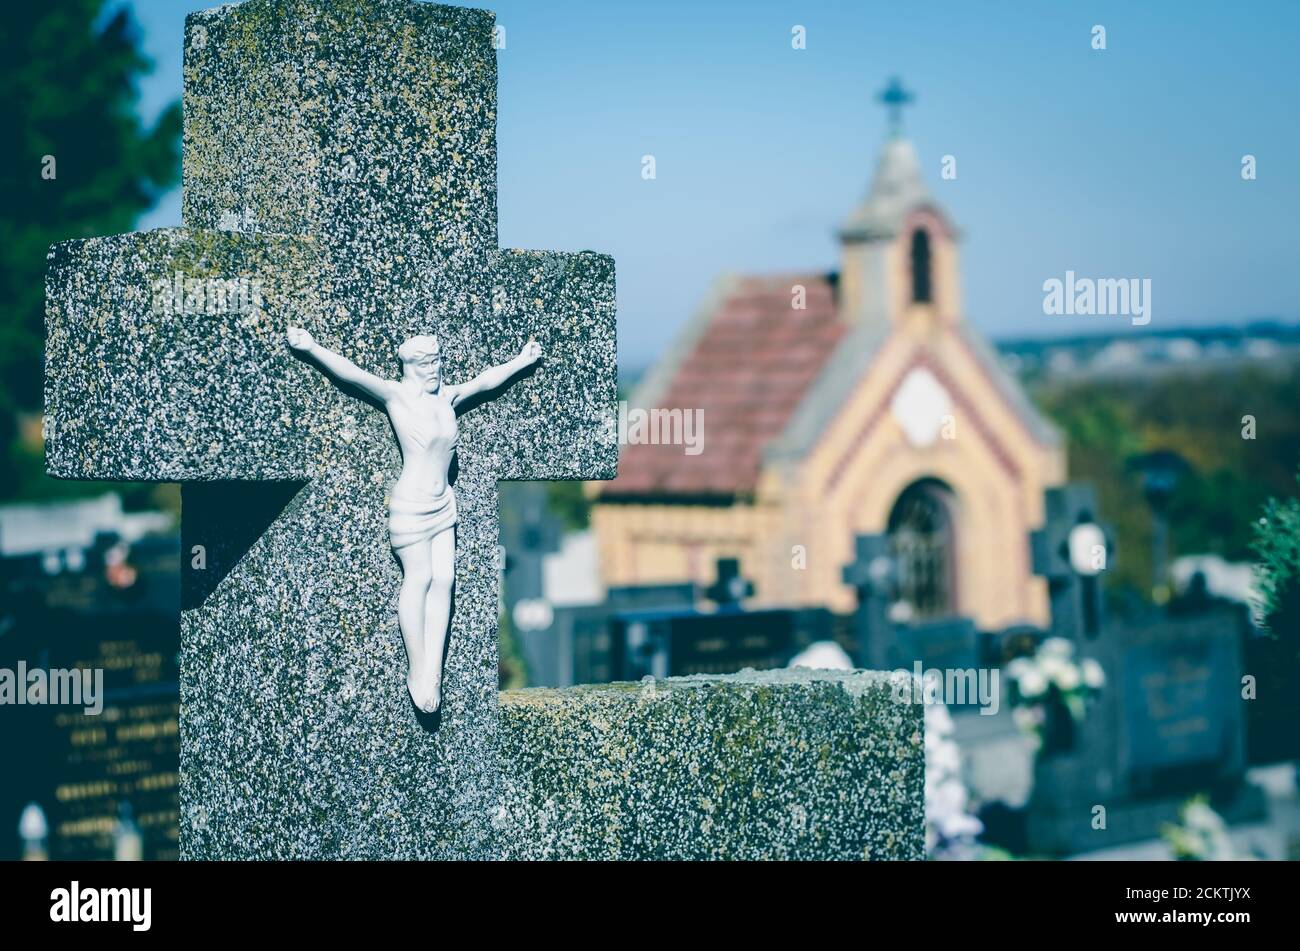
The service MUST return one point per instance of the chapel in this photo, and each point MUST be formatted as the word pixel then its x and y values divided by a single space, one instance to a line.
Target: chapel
pixel 858 401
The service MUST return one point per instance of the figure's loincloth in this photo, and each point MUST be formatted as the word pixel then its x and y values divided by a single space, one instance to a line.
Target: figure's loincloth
pixel 416 516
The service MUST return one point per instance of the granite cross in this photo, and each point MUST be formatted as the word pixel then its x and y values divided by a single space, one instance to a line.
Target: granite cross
pixel 1071 551
pixel 340 174
pixel 873 575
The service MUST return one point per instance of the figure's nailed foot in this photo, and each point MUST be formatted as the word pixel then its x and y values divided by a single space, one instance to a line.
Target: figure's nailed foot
pixel 433 697
pixel 416 688
pixel 425 692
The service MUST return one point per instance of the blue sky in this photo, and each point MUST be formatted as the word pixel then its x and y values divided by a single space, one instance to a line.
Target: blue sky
pixel 1117 163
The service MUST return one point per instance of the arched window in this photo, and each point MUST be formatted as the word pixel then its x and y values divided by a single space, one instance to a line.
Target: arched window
pixel 921 284
pixel 921 542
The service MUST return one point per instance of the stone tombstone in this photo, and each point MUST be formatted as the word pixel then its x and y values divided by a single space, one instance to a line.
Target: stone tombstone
pixel 339 174
pixel 1070 784
pixel 1168 723
pixel 669 643
pixel 1183 719
pixel 1070 525
pixel 576 648
pixel 529 532
pixel 872 574
pixel 772 764
pixel 729 590
pixel 941 643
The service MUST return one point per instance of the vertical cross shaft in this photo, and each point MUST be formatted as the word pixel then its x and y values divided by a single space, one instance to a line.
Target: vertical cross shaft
pixel 365 132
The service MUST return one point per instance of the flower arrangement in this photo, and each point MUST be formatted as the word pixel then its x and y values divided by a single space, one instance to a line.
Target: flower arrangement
pixel 1051 691
pixel 950 829
pixel 1201 835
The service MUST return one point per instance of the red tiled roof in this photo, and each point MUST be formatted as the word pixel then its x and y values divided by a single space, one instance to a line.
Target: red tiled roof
pixel 748 371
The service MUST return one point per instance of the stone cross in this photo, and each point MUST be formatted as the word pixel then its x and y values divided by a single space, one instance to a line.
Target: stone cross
pixel 729 589
pixel 1076 597
pixel 339 174
pixel 872 574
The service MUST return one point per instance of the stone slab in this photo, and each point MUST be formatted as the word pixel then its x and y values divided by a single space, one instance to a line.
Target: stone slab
pixel 793 764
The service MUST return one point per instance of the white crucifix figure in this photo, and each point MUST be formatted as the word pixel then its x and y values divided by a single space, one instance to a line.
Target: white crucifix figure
pixel 422 506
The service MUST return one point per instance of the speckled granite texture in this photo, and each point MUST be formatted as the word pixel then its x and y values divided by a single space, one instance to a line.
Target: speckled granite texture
pixel 771 765
pixel 341 155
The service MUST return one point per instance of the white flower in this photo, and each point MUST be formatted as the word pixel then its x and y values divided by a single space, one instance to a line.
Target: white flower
pixel 1093 675
pixel 937 720
pixel 1051 665
pixel 948 826
pixel 1066 677
pixel 1016 668
pixel 1074 703
pixel 943 757
pixel 1202 834
pixel 961 825
pixel 946 798
pixel 1032 683
pixel 1056 647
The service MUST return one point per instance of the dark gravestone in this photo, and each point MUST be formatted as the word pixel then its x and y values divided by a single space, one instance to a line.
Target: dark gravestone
pixel 1167 725
pixel 673 644
pixel 944 643
pixel 574 649
pixel 729 589
pixel 529 532
pixel 951 643
pixel 1183 718
pixel 127 754
pixel 651 597
pixel 684 641
pixel 577 646
pixel 1075 598
pixel 871 574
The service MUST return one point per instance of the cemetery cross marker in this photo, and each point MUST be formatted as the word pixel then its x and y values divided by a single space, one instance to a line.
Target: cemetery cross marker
pixel 340 160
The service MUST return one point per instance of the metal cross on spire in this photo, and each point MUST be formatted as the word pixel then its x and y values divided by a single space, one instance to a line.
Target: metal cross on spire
pixel 895 97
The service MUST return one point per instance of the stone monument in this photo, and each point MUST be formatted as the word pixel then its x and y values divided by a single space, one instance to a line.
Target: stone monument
pixel 340 176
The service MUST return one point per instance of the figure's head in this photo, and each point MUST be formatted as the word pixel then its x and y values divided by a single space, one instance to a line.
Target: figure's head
pixel 422 360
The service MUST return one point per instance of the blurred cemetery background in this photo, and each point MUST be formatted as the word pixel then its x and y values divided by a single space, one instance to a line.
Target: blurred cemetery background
pixel 1109 521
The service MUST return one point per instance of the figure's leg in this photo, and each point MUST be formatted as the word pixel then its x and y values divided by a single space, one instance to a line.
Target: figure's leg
pixel 437 613
pixel 410 616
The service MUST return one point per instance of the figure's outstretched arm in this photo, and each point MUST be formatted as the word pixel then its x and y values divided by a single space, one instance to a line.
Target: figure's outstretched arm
pixel 339 367
pixel 498 375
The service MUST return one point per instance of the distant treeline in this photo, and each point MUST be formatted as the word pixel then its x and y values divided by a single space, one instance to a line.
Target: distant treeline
pixel 1238 428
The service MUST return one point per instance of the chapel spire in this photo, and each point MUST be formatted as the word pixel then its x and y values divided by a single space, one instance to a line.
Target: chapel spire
pixel 898 254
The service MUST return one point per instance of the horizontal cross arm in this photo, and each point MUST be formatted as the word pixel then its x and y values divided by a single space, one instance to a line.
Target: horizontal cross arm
pixel 165 357
pixel 559 422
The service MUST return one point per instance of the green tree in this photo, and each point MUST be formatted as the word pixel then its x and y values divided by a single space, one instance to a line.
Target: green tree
pixel 1277 548
pixel 1234 466
pixel 80 163
pixel 1275 660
